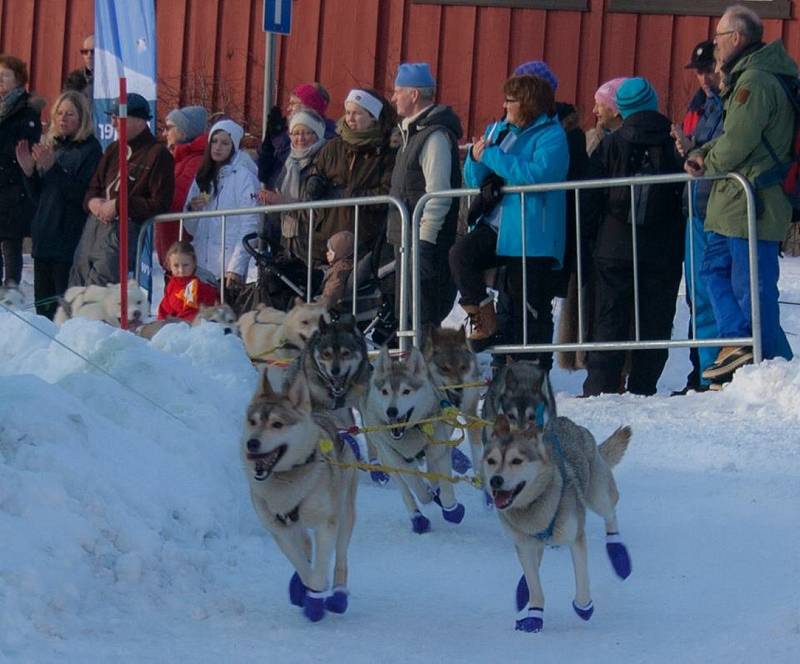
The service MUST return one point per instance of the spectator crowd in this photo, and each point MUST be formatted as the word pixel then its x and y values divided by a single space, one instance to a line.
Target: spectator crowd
pixel 514 255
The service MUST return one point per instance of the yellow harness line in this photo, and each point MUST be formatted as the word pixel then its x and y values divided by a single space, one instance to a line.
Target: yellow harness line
pixel 266 353
pixel 326 447
pixel 449 416
pixel 476 383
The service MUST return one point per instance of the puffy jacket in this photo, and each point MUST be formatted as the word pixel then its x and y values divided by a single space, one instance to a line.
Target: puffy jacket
pixel 537 155
pixel 755 106
pixel 16 209
pixel 237 187
pixel 188 157
pixel 58 195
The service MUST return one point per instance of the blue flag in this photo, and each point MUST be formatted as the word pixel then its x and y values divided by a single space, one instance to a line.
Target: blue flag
pixel 124 45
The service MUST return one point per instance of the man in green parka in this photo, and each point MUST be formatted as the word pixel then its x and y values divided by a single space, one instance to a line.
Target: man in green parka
pixel 757 108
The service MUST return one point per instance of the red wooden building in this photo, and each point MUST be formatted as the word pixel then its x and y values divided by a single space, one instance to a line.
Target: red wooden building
pixel 212 51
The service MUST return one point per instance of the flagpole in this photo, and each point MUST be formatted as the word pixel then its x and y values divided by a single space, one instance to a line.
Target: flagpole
pixel 122 202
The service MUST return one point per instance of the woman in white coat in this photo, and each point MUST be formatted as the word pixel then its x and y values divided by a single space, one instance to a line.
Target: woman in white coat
pixel 226 179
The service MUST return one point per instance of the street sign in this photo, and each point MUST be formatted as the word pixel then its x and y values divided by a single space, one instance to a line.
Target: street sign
pixel 278 16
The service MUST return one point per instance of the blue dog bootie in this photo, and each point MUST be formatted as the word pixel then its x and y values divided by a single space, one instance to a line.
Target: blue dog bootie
pixel 378 476
pixel 461 462
pixel 336 602
pixel 314 605
pixel 530 620
pixel 618 555
pixel 523 595
pixel 584 612
pixel 488 501
pixel 297 590
pixel 454 514
pixel 420 523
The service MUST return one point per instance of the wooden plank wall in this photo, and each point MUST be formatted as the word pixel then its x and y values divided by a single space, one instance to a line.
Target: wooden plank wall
pixel 360 42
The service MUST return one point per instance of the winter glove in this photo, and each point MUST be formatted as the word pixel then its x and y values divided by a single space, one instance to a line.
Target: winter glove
pixel 427 260
pixel 483 204
pixel 276 123
pixel 317 187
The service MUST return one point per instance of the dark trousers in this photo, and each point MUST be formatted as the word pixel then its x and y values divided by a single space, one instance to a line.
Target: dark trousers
pixel 469 257
pixel 539 309
pixel 11 260
pixel 50 279
pixel 613 321
pixel 96 258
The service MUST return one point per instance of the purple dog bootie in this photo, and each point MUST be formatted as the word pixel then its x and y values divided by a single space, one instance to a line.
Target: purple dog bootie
pixel 530 620
pixel 618 555
pixel 297 590
pixel 523 595
pixel 337 601
pixel 314 605
pixel 420 523
pixel 584 612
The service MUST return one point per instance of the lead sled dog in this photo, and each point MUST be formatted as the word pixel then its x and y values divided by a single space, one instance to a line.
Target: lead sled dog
pixel 541 484
pixel 302 481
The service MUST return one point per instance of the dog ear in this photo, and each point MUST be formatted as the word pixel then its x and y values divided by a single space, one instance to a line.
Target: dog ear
pixel 462 335
pixel 511 380
pixel 542 449
pixel 298 393
pixel 298 301
pixel 264 388
pixel 384 360
pixel 323 324
pixel 429 336
pixel 501 426
pixel 416 362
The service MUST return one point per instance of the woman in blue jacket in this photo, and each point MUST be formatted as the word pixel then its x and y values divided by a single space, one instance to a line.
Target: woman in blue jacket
pixel 527 147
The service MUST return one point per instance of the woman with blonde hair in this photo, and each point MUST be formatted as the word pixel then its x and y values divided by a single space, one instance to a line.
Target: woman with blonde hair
pixel 57 173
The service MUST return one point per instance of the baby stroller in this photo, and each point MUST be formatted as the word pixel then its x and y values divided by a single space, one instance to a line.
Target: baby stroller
pixel 282 278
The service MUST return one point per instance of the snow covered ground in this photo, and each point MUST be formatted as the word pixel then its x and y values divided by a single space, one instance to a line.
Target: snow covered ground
pixel 126 533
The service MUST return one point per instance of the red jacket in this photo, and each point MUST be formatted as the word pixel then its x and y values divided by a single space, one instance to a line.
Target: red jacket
pixel 183 298
pixel 188 157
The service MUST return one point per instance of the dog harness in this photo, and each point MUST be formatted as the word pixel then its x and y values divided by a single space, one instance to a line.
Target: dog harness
pixel 555 443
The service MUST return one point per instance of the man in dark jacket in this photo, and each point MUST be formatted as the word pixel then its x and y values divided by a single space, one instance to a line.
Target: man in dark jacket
pixel 151 180
pixel 641 146
pixel 82 79
pixel 427 161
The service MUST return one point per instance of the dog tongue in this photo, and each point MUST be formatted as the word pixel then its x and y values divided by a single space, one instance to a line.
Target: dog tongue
pixel 502 498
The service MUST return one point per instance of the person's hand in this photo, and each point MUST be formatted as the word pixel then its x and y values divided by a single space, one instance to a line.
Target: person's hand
pixel 478 146
pixel 198 203
pixel 95 206
pixel 25 158
pixel 107 211
pixel 683 144
pixel 44 156
pixel 268 197
pixel 317 187
pixel 233 281
pixel 695 165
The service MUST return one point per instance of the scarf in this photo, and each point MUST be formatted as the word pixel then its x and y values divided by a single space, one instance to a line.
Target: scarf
pixel 296 163
pixel 8 102
pixel 359 139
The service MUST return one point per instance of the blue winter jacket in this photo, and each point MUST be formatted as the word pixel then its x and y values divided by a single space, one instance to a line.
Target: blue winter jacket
pixel 539 154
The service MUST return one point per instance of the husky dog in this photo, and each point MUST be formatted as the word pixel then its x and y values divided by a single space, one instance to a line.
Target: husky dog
pixel 102 303
pixel 542 483
pixel 522 392
pixel 401 393
pixel 12 297
pixel 268 332
pixel 218 314
pixel 452 362
pixel 291 461
pixel 335 364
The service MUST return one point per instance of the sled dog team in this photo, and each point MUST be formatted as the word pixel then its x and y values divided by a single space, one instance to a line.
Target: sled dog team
pixel 539 471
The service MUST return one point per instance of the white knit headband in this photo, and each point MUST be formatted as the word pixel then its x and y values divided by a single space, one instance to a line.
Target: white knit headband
pixel 368 102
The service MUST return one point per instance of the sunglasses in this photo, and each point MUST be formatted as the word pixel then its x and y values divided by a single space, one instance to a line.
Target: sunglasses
pixel 87 51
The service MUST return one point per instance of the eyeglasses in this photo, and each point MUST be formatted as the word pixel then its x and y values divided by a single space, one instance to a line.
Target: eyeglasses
pixel 507 100
pixel 724 32
pixel 301 134
pixel 87 51
pixel 168 127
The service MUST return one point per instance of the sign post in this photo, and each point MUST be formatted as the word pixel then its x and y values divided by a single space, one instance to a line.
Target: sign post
pixel 277 19
pixel 122 202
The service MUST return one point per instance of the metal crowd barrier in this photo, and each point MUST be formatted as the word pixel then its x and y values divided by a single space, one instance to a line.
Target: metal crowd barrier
pixel 310 206
pixel 577 186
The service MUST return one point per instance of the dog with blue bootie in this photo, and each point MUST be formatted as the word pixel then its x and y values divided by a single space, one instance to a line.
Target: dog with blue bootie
pixel 542 481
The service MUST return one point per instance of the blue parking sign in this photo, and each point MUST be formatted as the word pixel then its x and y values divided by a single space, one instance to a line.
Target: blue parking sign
pixel 278 16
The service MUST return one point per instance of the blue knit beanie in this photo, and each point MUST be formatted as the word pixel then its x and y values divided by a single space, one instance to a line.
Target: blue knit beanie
pixel 540 69
pixel 414 75
pixel 191 120
pixel 634 95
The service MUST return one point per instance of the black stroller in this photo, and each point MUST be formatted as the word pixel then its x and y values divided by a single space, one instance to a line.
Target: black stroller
pixel 282 278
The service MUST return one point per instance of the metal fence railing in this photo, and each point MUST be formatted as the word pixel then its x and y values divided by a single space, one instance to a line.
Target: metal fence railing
pixel 310 207
pixel 581 344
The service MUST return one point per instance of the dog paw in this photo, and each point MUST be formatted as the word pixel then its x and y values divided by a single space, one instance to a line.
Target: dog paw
pixel 523 595
pixel 337 602
pixel 297 591
pixel 618 555
pixel 454 514
pixel 584 612
pixel 314 605
pixel 420 523
pixel 461 462
pixel 533 621
pixel 378 476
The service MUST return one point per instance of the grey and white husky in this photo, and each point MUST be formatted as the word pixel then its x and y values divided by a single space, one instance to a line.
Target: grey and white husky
pixel 401 394
pixel 522 392
pixel 291 459
pixel 12 297
pixel 542 482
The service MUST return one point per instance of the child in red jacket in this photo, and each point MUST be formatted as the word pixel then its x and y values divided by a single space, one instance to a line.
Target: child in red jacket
pixel 185 291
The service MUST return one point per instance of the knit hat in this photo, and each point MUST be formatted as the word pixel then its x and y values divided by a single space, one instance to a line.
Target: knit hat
pixel 191 120
pixel 634 95
pixel 308 119
pixel 232 129
pixel 341 244
pixel 370 103
pixel 538 68
pixel 414 75
pixel 311 98
pixel 607 93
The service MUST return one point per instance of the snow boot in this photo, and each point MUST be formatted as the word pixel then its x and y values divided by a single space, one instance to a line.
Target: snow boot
pixel 378 476
pixel 297 591
pixel 337 602
pixel 531 620
pixel 584 612
pixel 461 462
pixel 618 555
pixel 420 523
pixel 314 605
pixel 482 323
